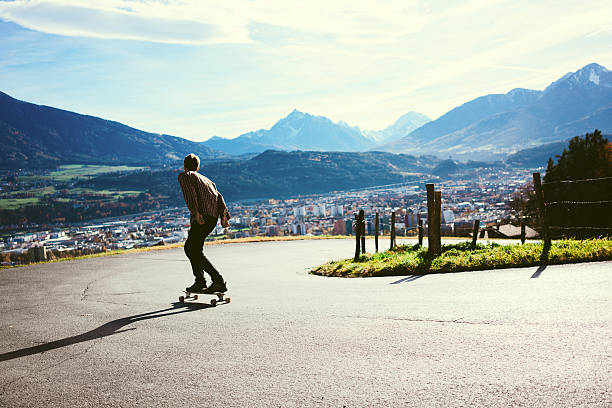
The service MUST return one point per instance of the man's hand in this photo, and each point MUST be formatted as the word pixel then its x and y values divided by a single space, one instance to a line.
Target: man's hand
pixel 198 218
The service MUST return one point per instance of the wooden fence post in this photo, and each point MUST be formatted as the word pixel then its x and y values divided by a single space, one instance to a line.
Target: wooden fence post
pixel 522 231
pixel 363 231
pixel 430 217
pixel 357 233
pixel 475 233
pixel 537 185
pixel 376 232
pixel 420 232
pixel 438 220
pixel 392 235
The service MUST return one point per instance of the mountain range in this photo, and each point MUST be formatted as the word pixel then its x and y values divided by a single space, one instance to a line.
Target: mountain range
pixel 42 136
pixel 303 131
pixel 297 131
pixel 486 128
pixel 494 125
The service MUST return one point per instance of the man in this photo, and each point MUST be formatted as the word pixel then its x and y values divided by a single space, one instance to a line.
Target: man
pixel 206 205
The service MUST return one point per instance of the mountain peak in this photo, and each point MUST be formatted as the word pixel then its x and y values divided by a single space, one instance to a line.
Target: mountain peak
pixel 214 138
pixel 594 66
pixel 296 114
pixel 412 116
pixel 591 73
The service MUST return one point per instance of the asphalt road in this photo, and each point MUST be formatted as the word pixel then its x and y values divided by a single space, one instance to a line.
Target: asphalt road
pixel 110 332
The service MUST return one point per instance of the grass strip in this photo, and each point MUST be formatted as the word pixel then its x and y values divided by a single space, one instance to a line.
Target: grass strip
pixel 412 260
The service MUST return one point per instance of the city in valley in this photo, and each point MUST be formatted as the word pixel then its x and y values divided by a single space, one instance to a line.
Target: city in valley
pixel 482 194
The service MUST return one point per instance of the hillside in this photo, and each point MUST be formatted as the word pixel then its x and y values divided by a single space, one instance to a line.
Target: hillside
pixel 275 174
pixel 41 136
pixel 491 126
pixel 536 156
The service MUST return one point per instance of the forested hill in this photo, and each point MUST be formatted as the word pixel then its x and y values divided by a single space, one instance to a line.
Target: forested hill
pixel 41 136
pixel 283 174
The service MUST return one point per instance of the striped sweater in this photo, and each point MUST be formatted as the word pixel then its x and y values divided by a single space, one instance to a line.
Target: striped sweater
pixel 202 197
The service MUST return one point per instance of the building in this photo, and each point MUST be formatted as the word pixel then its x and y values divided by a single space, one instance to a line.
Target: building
pixel 299 212
pixel 348 227
pixel 298 228
pixel 411 219
pixel 337 211
pixel 448 216
pixel 319 210
pixel 339 227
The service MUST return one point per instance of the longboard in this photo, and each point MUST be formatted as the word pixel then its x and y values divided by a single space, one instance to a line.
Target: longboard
pixel 213 302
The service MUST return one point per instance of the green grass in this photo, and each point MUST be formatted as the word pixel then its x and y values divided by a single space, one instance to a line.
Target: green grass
pixel 15 203
pixel 8 202
pixel 70 171
pixel 114 194
pixel 36 192
pixel 408 260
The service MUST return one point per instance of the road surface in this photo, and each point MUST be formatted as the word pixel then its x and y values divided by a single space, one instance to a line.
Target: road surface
pixel 109 331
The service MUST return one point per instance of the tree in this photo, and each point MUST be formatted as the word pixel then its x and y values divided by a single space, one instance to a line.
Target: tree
pixel 582 208
pixel 523 205
pixel 586 157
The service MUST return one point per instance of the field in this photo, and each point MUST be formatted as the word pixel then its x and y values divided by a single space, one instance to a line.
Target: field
pixel 69 172
pixel 58 185
pixel 15 203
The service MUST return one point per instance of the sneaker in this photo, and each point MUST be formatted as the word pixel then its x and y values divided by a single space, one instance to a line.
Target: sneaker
pixel 216 287
pixel 196 287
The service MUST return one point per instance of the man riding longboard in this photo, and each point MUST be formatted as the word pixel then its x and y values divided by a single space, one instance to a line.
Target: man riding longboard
pixel 206 206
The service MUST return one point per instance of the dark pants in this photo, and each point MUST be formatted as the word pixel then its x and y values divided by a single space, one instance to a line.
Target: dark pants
pixel 194 249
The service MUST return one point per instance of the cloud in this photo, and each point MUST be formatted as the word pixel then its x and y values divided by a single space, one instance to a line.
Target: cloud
pixel 213 21
pixel 117 20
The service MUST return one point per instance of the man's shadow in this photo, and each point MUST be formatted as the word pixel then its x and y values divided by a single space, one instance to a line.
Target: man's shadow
pixel 107 329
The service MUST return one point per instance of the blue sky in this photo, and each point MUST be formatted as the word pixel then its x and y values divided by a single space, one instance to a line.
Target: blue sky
pixel 198 68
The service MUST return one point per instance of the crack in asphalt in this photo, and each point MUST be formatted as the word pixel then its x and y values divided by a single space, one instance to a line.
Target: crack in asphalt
pixel 84 293
pixel 405 319
pixel 110 303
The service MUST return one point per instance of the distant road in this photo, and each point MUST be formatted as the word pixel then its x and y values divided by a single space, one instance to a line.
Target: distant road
pixel 109 332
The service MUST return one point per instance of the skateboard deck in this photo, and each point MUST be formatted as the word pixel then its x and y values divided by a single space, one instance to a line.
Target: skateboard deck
pixel 213 302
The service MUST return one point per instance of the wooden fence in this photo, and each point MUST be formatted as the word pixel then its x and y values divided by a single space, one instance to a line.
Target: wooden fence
pixel 577 208
pixel 434 207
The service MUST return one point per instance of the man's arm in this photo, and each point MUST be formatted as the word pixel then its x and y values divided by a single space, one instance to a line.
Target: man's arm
pixel 222 211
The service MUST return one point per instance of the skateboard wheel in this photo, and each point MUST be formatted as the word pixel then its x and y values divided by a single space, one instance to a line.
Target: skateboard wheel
pixel 181 298
pixel 228 300
pixel 195 297
pixel 213 302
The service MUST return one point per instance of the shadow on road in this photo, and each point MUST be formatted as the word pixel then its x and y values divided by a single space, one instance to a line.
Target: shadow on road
pixel 407 279
pixel 538 272
pixel 107 329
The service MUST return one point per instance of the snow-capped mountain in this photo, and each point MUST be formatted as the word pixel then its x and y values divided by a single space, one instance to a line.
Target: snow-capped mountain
pixel 493 125
pixel 297 131
pixel 404 125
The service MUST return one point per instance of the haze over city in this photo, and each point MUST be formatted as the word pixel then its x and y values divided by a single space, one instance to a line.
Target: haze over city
pixel 199 69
